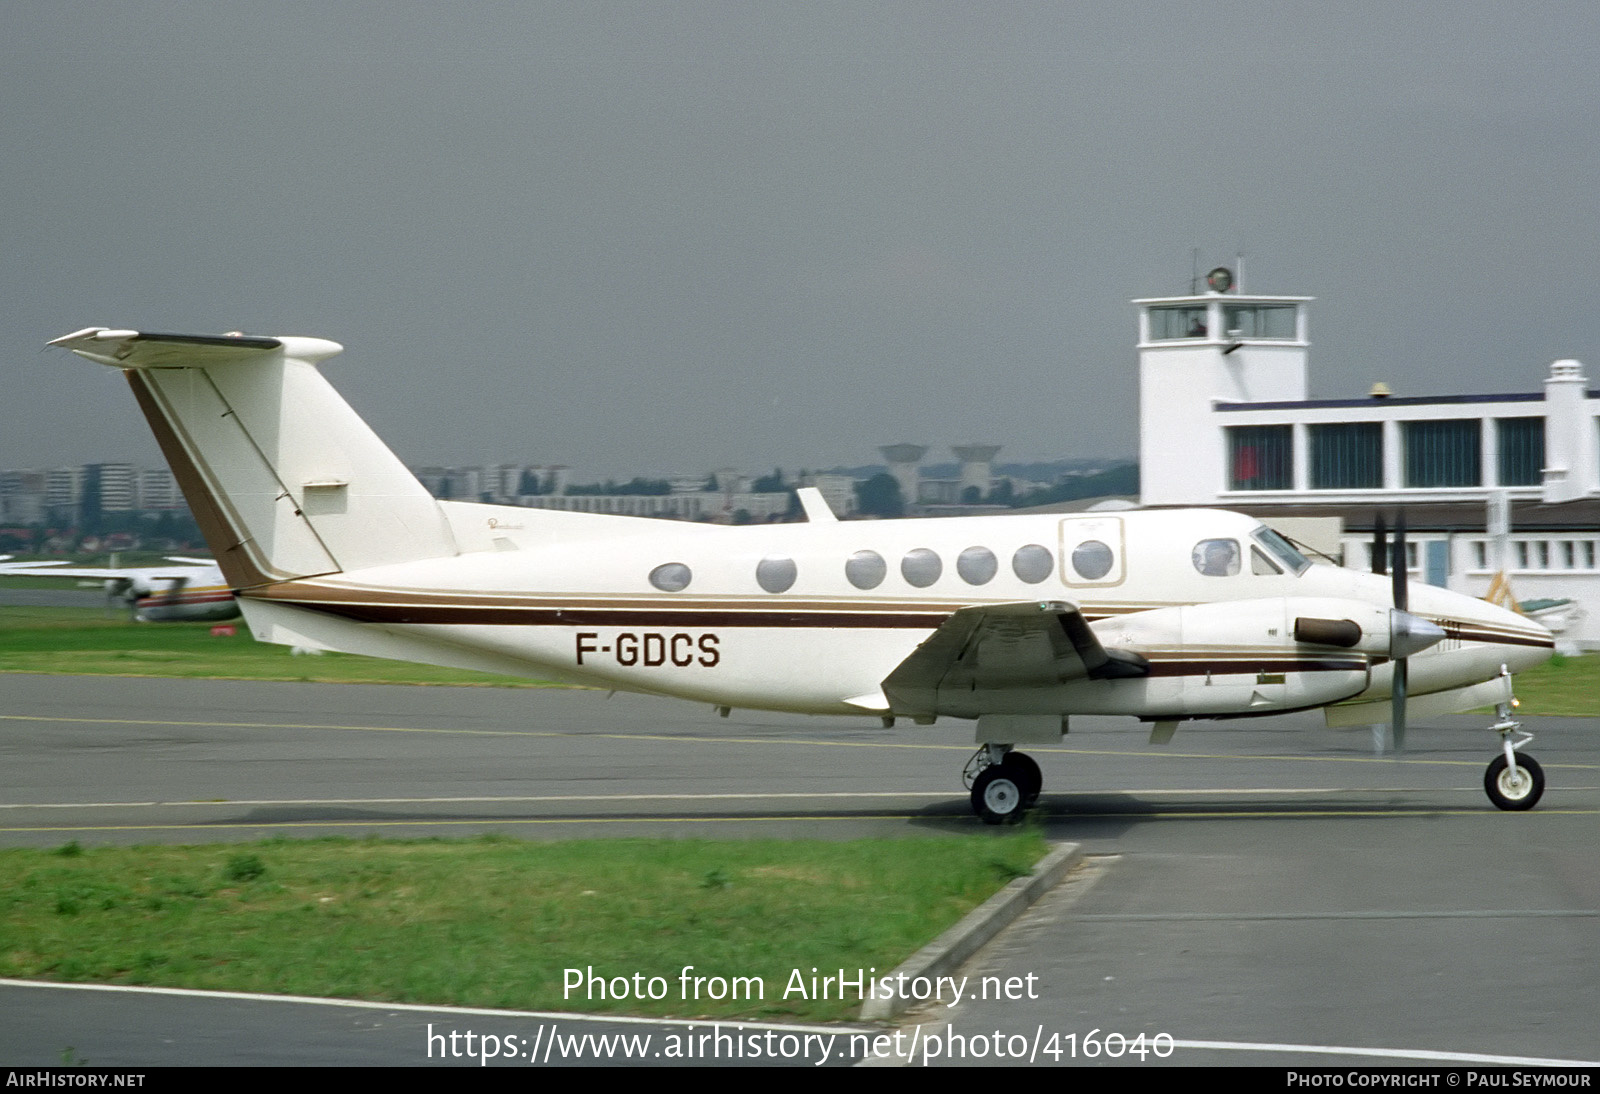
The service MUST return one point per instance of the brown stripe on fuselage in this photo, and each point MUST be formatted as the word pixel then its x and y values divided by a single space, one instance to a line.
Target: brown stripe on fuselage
pixel 465 615
pixel 330 595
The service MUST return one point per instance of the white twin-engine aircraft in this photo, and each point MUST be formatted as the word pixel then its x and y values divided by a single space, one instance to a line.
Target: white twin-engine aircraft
pixel 187 590
pixel 1015 622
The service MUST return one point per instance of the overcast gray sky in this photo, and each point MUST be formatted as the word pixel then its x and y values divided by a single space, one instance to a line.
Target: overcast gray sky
pixel 648 237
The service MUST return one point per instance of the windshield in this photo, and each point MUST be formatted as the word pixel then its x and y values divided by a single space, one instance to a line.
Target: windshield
pixel 1280 549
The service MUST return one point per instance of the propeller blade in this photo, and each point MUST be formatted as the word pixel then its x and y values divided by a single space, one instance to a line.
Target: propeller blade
pixel 1400 562
pixel 1397 704
pixel 1380 545
pixel 1404 631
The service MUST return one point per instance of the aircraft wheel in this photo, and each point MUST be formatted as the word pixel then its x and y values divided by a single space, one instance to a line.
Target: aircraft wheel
pixel 1025 772
pixel 996 797
pixel 1514 788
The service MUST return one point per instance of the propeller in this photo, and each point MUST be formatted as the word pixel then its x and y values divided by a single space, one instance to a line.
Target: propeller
pixel 1408 634
pixel 1397 619
pixel 119 588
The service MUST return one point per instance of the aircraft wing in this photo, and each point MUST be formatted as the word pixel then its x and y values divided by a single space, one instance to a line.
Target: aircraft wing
pixel 1036 644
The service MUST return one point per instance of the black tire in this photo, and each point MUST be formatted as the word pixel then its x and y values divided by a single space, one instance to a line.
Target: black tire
pixel 1025 772
pixel 996 796
pixel 1517 790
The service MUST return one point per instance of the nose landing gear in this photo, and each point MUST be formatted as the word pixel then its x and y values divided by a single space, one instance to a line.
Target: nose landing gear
pixel 1513 781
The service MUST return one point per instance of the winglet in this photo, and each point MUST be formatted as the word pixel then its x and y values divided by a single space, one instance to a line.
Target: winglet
pixel 816 506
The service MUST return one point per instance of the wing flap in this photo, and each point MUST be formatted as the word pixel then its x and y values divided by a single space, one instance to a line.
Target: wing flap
pixel 1003 647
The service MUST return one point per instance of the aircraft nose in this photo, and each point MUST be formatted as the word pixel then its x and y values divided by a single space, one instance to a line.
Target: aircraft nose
pixel 1523 642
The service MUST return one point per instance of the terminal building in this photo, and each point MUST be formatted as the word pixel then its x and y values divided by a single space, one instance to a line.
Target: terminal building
pixel 1226 420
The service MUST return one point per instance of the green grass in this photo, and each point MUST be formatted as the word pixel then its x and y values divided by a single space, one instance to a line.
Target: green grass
pixel 492 922
pixel 85 641
pixel 1562 685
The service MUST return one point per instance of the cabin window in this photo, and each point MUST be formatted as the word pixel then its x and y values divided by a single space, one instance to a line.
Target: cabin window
pixel 1092 560
pixel 866 569
pixel 671 577
pixel 921 567
pixel 1033 563
pixel 776 575
pixel 1216 557
pixel 977 565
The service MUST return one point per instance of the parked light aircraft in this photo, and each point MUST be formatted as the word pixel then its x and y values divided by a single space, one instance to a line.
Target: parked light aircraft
pixel 1015 622
pixel 192 590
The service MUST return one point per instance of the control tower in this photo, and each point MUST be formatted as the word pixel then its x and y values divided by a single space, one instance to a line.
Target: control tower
pixel 1220 346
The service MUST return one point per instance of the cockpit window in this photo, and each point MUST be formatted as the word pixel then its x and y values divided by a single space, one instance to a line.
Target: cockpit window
pixel 1281 549
pixel 1261 565
pixel 1217 557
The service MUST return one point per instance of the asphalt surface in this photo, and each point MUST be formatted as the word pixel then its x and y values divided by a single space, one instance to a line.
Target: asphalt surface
pixel 1260 892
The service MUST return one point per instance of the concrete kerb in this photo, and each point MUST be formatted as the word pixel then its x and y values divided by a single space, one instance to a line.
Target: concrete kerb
pixel 946 953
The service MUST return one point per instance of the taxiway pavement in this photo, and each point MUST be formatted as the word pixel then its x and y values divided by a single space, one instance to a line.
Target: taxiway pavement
pixel 1263 892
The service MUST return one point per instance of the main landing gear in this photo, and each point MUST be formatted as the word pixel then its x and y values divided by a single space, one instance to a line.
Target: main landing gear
pixel 1512 781
pixel 1004 783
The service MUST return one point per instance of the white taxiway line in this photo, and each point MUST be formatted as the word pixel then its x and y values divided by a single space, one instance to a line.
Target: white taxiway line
pixel 1390 1053
pixel 518 799
pixel 423 1008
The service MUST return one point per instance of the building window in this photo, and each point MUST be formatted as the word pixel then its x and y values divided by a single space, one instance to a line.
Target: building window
pixel 1167 324
pixel 1444 453
pixel 1347 456
pixel 1261 457
pixel 1521 451
pixel 1260 321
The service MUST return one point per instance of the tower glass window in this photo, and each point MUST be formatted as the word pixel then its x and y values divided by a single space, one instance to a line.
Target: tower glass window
pixel 1443 453
pixel 1181 322
pixel 1261 457
pixel 1521 461
pixel 1260 321
pixel 1347 456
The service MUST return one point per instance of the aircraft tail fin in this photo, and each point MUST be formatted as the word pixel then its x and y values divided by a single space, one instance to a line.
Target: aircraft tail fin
pixel 283 477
